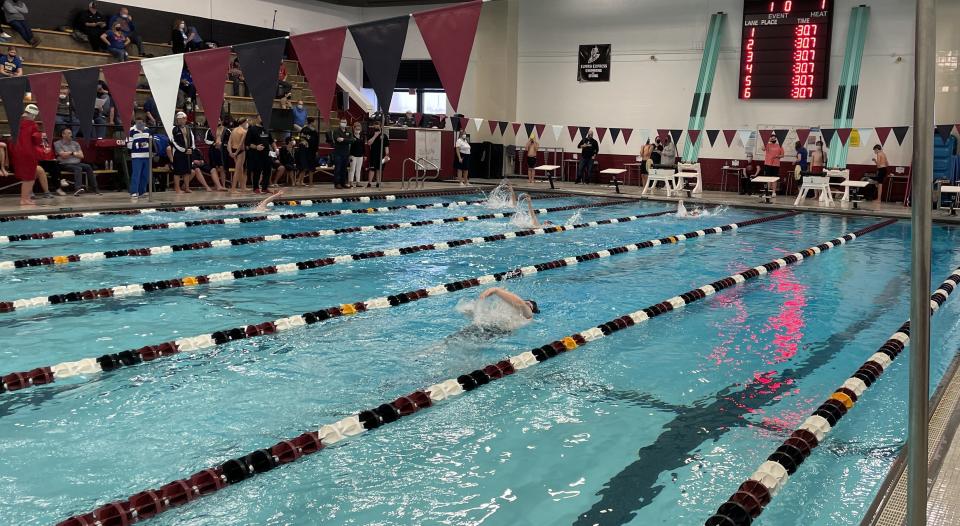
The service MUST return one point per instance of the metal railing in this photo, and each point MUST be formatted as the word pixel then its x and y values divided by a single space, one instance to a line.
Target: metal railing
pixel 421 173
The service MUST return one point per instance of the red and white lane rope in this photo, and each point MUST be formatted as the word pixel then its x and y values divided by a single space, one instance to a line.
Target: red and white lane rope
pixel 750 499
pixel 110 362
pixel 179 492
pixel 221 243
pixel 231 206
pixel 193 281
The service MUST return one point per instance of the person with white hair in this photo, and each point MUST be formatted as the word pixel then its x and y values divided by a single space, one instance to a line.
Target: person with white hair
pixel 181 150
pixel 25 160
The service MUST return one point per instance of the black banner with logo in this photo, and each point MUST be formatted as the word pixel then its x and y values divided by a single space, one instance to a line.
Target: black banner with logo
pixel 593 63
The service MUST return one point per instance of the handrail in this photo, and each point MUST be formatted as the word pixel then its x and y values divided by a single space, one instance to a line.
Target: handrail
pixel 403 172
pixel 431 166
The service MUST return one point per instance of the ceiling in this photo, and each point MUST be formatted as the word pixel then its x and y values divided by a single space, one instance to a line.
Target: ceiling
pixel 387 3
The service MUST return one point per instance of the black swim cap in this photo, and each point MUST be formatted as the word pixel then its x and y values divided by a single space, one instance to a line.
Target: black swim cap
pixel 533 306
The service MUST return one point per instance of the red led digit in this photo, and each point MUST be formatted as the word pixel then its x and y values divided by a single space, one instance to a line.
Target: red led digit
pixel 787 6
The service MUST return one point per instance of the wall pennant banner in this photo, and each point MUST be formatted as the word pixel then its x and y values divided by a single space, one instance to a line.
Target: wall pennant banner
pixel 540 130
pixel 529 127
pixel 573 132
pixel 663 134
pixel 781 135
pixel 627 132
pixel 827 134
pixel 729 135
pixel 83 94
pixel 712 136
pixel 843 134
pixel 944 131
pixel 803 134
pixel 614 134
pixel 12 91
pixel 601 133
pixel 516 128
pixel 584 130
pixel 163 74
pixel 765 135
pixel 319 56
pixel 493 125
pixel 463 123
pixel 122 79
pixel 503 127
pixel 209 72
pixel 883 133
pixel 643 136
pixel 449 33
pixel 45 88
pixel 260 63
pixel 865 135
pixel 557 130
pixel 381 48
pixel 675 134
pixel 477 123
pixel 693 136
pixel 745 136
pixel 900 132
pixel 417 118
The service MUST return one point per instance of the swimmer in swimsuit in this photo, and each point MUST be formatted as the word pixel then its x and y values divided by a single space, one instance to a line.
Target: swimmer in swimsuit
pixel 533 216
pixel 490 319
pixel 262 207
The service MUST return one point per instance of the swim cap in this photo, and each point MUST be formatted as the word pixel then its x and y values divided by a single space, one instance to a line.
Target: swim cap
pixel 533 306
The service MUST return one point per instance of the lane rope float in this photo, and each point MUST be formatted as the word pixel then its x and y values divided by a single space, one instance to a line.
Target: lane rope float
pixel 193 281
pixel 221 243
pixel 229 206
pixel 110 362
pixel 217 221
pixel 752 497
pixel 153 502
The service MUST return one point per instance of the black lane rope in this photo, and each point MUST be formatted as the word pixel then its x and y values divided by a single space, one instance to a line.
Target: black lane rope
pixel 220 243
pixel 751 497
pixel 179 492
pixel 193 281
pixel 89 366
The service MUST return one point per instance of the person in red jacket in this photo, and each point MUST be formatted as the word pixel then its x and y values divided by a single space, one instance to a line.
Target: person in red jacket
pixel 25 157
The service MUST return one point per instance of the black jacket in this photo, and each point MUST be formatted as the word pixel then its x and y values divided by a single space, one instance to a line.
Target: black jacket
pixel 589 148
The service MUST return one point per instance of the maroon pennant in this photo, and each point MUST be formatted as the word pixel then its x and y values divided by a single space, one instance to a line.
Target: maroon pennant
pixel 45 88
pixel 516 128
pixel 417 118
pixel 882 133
pixel 663 134
pixel 122 79
pixel 572 130
pixel 693 135
pixel 729 135
pixel 627 132
pixel 803 134
pixel 493 125
pixel 540 128
pixel 463 123
pixel 209 72
pixel 843 134
pixel 319 56
pixel 449 33
pixel 765 135
pixel 601 133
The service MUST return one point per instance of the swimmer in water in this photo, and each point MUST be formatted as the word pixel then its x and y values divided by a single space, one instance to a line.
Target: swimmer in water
pixel 526 308
pixel 682 211
pixel 262 207
pixel 533 216
pixel 493 318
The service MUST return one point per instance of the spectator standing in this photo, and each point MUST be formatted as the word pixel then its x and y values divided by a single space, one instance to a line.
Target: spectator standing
pixel 181 154
pixel 103 112
pixel 379 153
pixel 238 152
pixel 307 146
pixel 283 87
pixel 257 143
pixel 589 148
pixel 217 139
pixel 772 153
pixel 116 43
pixel 178 36
pixel 16 12
pixel 802 164
pixel 356 157
pixel 299 116
pixel 668 156
pixel 187 88
pixel 235 74
pixel 93 24
pixel 24 155
pixel 138 142
pixel 129 29
pixel 462 151
pixel 880 159
pixel 70 157
pixel 194 40
pixel 288 158
pixel 342 138
pixel 10 64
pixel 65 114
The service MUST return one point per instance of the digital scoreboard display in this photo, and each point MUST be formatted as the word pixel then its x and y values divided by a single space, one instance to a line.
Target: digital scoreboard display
pixel 785 50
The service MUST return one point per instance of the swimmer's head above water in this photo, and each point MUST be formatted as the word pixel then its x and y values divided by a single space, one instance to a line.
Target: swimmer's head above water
pixel 534 308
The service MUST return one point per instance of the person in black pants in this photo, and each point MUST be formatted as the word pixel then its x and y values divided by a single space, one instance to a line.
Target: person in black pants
pixel 257 145
pixel 342 138
pixel 589 148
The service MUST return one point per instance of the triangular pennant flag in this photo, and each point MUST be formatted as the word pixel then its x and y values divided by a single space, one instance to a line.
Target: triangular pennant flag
pixel 573 132
pixel 803 134
pixel 557 130
pixel 540 129
pixel 900 132
pixel 463 123
pixel 643 136
pixel 45 88
pixel 493 125
pixel 417 118
pixel 729 135
pixel 260 63
pixel 827 134
pixel 765 135
pixel 584 130
pixel 319 54
pixel 516 127
pixel 843 134
pixel 209 72
pixel 627 132
pixel 693 135
pixel 663 134
pixel 381 49
pixel 614 134
pixel 449 33
pixel 745 136
pixel 675 134
pixel 601 132
pixel 529 127
pixel 12 91
pixel 712 136
pixel 122 79
pixel 477 122
pixel 163 74
pixel 503 127
pixel 83 94
pixel 944 131
pixel 781 135
pixel 865 135
pixel 882 133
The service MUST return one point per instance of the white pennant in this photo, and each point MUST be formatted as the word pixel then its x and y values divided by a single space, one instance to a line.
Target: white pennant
pixel 640 136
pixel 477 122
pixel 865 135
pixel 557 130
pixel 163 74
pixel 745 136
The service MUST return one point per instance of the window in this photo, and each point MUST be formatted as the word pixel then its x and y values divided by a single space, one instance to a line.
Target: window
pixel 435 102
pixel 403 102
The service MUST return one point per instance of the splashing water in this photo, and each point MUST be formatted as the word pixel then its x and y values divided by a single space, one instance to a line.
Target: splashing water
pixel 683 213
pixel 499 197
pixel 492 313
pixel 521 218
pixel 575 219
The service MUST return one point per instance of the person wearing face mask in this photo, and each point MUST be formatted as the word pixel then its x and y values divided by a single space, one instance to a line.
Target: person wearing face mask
pixel 10 64
pixel 379 153
pixel 462 166
pixel 16 12
pixel 181 153
pixel 257 143
pixel 138 142
pixel 356 157
pixel 299 116
pixel 92 23
pixel 772 153
pixel 589 148
pixel 104 113
pixel 125 21
pixel 342 139
pixel 116 43
pixel 65 114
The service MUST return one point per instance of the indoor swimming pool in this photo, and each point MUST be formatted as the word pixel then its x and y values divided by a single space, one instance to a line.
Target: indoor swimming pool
pixel 657 423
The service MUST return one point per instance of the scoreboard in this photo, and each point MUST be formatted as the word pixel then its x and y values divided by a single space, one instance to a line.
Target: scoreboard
pixel 785 49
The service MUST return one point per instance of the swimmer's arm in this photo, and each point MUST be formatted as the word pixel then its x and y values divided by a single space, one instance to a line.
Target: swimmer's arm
pixel 533 214
pixel 509 297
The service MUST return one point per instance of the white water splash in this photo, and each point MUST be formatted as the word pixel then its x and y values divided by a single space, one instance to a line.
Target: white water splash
pixel 492 313
pixel 499 197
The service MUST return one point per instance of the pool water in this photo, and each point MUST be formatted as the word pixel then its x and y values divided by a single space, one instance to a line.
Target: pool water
pixel 656 424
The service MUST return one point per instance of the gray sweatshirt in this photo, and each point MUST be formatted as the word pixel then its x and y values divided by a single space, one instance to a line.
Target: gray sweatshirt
pixel 15 10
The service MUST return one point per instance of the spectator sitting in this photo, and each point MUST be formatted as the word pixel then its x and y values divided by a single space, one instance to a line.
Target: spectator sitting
pixel 283 87
pixel 70 156
pixel 299 116
pixel 187 88
pixel 125 21
pixel 116 42
pixel 10 64
pixel 93 24
pixel 16 12
pixel 151 112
